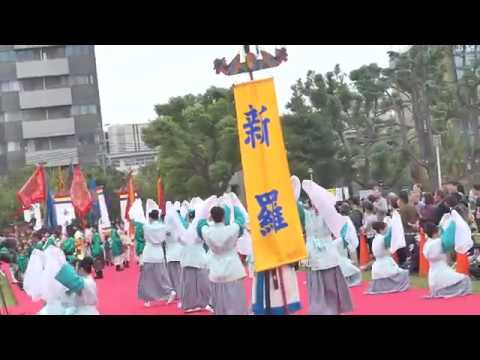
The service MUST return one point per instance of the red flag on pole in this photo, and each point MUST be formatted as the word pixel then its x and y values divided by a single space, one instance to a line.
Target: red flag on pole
pixel 80 194
pixel 34 190
pixel 160 195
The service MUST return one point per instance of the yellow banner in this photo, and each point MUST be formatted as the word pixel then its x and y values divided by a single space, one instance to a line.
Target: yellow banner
pixel 274 221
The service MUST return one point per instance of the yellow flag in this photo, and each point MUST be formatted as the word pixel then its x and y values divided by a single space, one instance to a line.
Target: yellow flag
pixel 274 220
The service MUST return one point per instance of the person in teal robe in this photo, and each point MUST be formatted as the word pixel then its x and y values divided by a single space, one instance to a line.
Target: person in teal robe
pixel 98 254
pixel 68 246
pixel 139 240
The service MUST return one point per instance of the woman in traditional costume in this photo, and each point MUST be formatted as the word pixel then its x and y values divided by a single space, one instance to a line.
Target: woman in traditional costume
pixel 85 300
pixel 443 281
pixel 195 285
pixel 173 250
pixel 387 276
pixel 154 283
pixel 328 291
pixel 346 246
pixel 226 272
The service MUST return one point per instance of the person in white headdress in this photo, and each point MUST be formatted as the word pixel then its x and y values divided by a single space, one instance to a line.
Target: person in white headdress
pixel 195 285
pixel 443 281
pixel 173 249
pixel 226 272
pixel 154 283
pixel 328 291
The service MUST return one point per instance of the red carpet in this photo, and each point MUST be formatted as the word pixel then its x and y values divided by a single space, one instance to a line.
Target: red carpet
pixel 117 296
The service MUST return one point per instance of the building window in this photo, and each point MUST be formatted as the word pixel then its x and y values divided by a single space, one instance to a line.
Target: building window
pixel 59 112
pixel 10 85
pixel 8 56
pixel 29 55
pixel 34 114
pixel 84 109
pixel 13 116
pixel 54 143
pixel 55 52
pixel 32 84
pixel 55 82
pixel 77 50
pixel 13 146
pixel 81 80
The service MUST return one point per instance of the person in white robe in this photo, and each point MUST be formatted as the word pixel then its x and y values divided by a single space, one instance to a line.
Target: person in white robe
pixel 328 291
pixel 347 245
pixel 85 301
pixel 443 281
pixel 387 276
pixel 226 272
pixel 195 285
pixel 154 283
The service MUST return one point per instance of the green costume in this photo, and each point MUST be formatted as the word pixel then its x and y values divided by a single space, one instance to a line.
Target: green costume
pixel 50 241
pixel 22 262
pixel 69 249
pixel 117 246
pixel 97 249
pixel 139 239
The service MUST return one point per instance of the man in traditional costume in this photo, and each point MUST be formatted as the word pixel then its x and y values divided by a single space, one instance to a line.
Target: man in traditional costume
pixel 117 249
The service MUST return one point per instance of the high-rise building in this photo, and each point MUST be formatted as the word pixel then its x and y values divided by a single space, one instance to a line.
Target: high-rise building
pixel 126 148
pixel 49 106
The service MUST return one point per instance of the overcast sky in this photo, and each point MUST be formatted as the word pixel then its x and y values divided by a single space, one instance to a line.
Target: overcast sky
pixel 133 78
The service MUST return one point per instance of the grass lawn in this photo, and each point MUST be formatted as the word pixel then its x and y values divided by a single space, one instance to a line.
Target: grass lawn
pixel 7 292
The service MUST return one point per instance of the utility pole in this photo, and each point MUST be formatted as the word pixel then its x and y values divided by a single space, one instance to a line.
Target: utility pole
pixel 437 141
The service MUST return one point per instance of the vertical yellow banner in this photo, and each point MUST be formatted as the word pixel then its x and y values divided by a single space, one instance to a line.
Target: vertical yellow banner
pixel 276 230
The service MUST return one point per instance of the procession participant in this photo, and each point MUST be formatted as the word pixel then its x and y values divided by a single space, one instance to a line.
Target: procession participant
pixel 85 300
pixel 68 245
pixel 328 291
pixel 387 276
pixel 107 245
pixel 97 252
pixel 117 248
pixel 368 219
pixel 139 242
pixel 154 283
pixel 443 281
pixel 126 246
pixel 347 245
pixel 57 301
pixel 226 272
pixel 195 290
pixel 80 247
pixel 173 251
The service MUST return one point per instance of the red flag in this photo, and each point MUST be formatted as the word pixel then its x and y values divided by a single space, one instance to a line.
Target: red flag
pixel 34 190
pixel 80 194
pixel 160 195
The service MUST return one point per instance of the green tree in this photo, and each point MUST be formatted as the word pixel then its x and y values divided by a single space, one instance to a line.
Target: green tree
pixel 197 141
